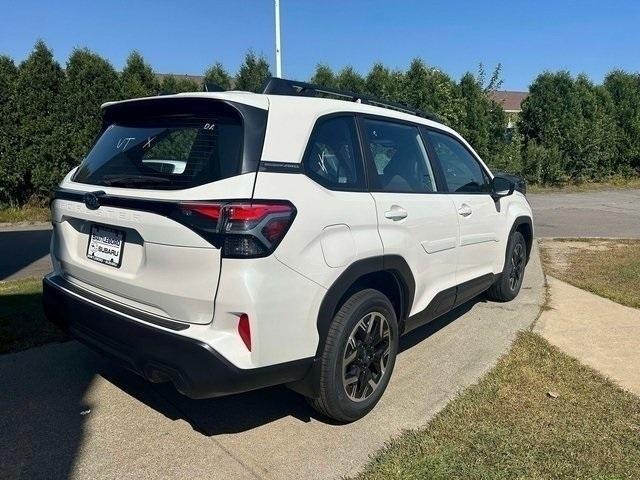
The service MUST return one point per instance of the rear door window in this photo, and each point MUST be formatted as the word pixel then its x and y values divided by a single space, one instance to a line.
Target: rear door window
pixel 165 152
pixel 333 156
pixel 400 159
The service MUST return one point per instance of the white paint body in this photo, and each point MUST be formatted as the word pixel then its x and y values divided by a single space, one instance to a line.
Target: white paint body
pixel 171 272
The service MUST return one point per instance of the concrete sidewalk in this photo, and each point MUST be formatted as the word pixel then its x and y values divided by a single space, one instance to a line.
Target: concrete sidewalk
pixel 600 333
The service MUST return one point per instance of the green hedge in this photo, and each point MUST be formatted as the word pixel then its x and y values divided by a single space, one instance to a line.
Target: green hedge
pixel 569 130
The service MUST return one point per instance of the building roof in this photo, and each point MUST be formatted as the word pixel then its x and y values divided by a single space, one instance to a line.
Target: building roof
pixel 510 100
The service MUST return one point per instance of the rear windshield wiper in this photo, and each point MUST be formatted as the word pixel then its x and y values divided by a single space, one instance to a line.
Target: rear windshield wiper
pixel 129 179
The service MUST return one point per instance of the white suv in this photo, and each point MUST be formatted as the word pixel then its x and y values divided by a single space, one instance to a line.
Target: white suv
pixel 230 241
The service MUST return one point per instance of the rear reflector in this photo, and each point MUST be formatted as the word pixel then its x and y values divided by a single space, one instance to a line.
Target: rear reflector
pixel 246 229
pixel 244 330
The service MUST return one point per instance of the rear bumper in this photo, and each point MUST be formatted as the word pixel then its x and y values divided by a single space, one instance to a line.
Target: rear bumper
pixel 195 368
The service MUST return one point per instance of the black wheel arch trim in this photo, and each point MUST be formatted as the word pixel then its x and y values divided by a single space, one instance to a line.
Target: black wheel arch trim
pixel 517 223
pixel 393 264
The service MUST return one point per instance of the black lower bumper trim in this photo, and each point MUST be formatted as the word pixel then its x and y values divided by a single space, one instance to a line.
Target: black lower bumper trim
pixel 196 369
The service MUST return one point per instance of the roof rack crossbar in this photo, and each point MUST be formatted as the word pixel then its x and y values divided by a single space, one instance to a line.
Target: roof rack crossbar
pixel 281 86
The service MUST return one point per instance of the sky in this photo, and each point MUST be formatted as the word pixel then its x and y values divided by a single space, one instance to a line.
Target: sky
pixel 591 37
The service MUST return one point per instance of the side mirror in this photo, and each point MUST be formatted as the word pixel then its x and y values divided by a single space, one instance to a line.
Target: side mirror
pixel 501 187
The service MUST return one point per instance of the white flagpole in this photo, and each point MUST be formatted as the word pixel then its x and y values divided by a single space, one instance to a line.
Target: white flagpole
pixel 278 57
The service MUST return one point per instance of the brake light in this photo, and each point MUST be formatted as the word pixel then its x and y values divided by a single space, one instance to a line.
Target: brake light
pixel 246 229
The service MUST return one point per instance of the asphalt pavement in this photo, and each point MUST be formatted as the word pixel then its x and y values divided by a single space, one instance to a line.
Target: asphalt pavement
pixel 24 251
pixel 612 213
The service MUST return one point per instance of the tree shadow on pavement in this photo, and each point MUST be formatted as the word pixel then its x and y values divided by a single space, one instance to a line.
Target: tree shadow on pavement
pixel 22 248
pixel 214 416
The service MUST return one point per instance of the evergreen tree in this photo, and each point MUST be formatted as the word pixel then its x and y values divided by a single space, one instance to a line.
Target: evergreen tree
pixel 569 128
pixel 38 106
pixel 138 79
pixel 168 85
pixel 548 112
pixel 324 76
pixel 624 90
pixel 185 84
pixel 474 125
pixel 592 148
pixel 430 89
pixel 570 118
pixel 91 81
pixel 253 73
pixel 498 140
pixel 350 80
pixel 8 150
pixel 380 83
pixel 217 75
pixel 171 84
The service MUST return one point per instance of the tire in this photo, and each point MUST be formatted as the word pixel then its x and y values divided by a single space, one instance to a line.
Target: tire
pixel 362 343
pixel 508 285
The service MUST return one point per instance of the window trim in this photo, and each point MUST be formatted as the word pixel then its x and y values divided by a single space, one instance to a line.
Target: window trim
pixel 370 167
pixel 363 181
pixel 483 169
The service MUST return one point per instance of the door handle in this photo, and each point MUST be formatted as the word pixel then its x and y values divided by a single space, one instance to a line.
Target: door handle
pixel 465 210
pixel 396 213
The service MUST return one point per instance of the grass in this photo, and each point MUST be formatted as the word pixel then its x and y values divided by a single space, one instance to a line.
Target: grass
pixel 609 268
pixel 22 322
pixel 609 184
pixel 25 214
pixel 508 426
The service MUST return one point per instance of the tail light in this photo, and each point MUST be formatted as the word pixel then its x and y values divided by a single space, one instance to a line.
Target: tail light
pixel 246 229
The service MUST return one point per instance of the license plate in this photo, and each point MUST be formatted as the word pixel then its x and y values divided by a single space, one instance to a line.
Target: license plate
pixel 105 245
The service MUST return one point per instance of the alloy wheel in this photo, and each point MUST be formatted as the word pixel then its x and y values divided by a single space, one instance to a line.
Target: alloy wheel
pixel 366 356
pixel 517 266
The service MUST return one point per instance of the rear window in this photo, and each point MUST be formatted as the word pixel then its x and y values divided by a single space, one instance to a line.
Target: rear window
pixel 165 151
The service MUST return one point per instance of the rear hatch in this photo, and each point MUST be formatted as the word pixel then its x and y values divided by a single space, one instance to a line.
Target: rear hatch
pixel 127 223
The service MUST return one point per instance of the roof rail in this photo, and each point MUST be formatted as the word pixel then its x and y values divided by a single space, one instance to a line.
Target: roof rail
pixel 281 86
